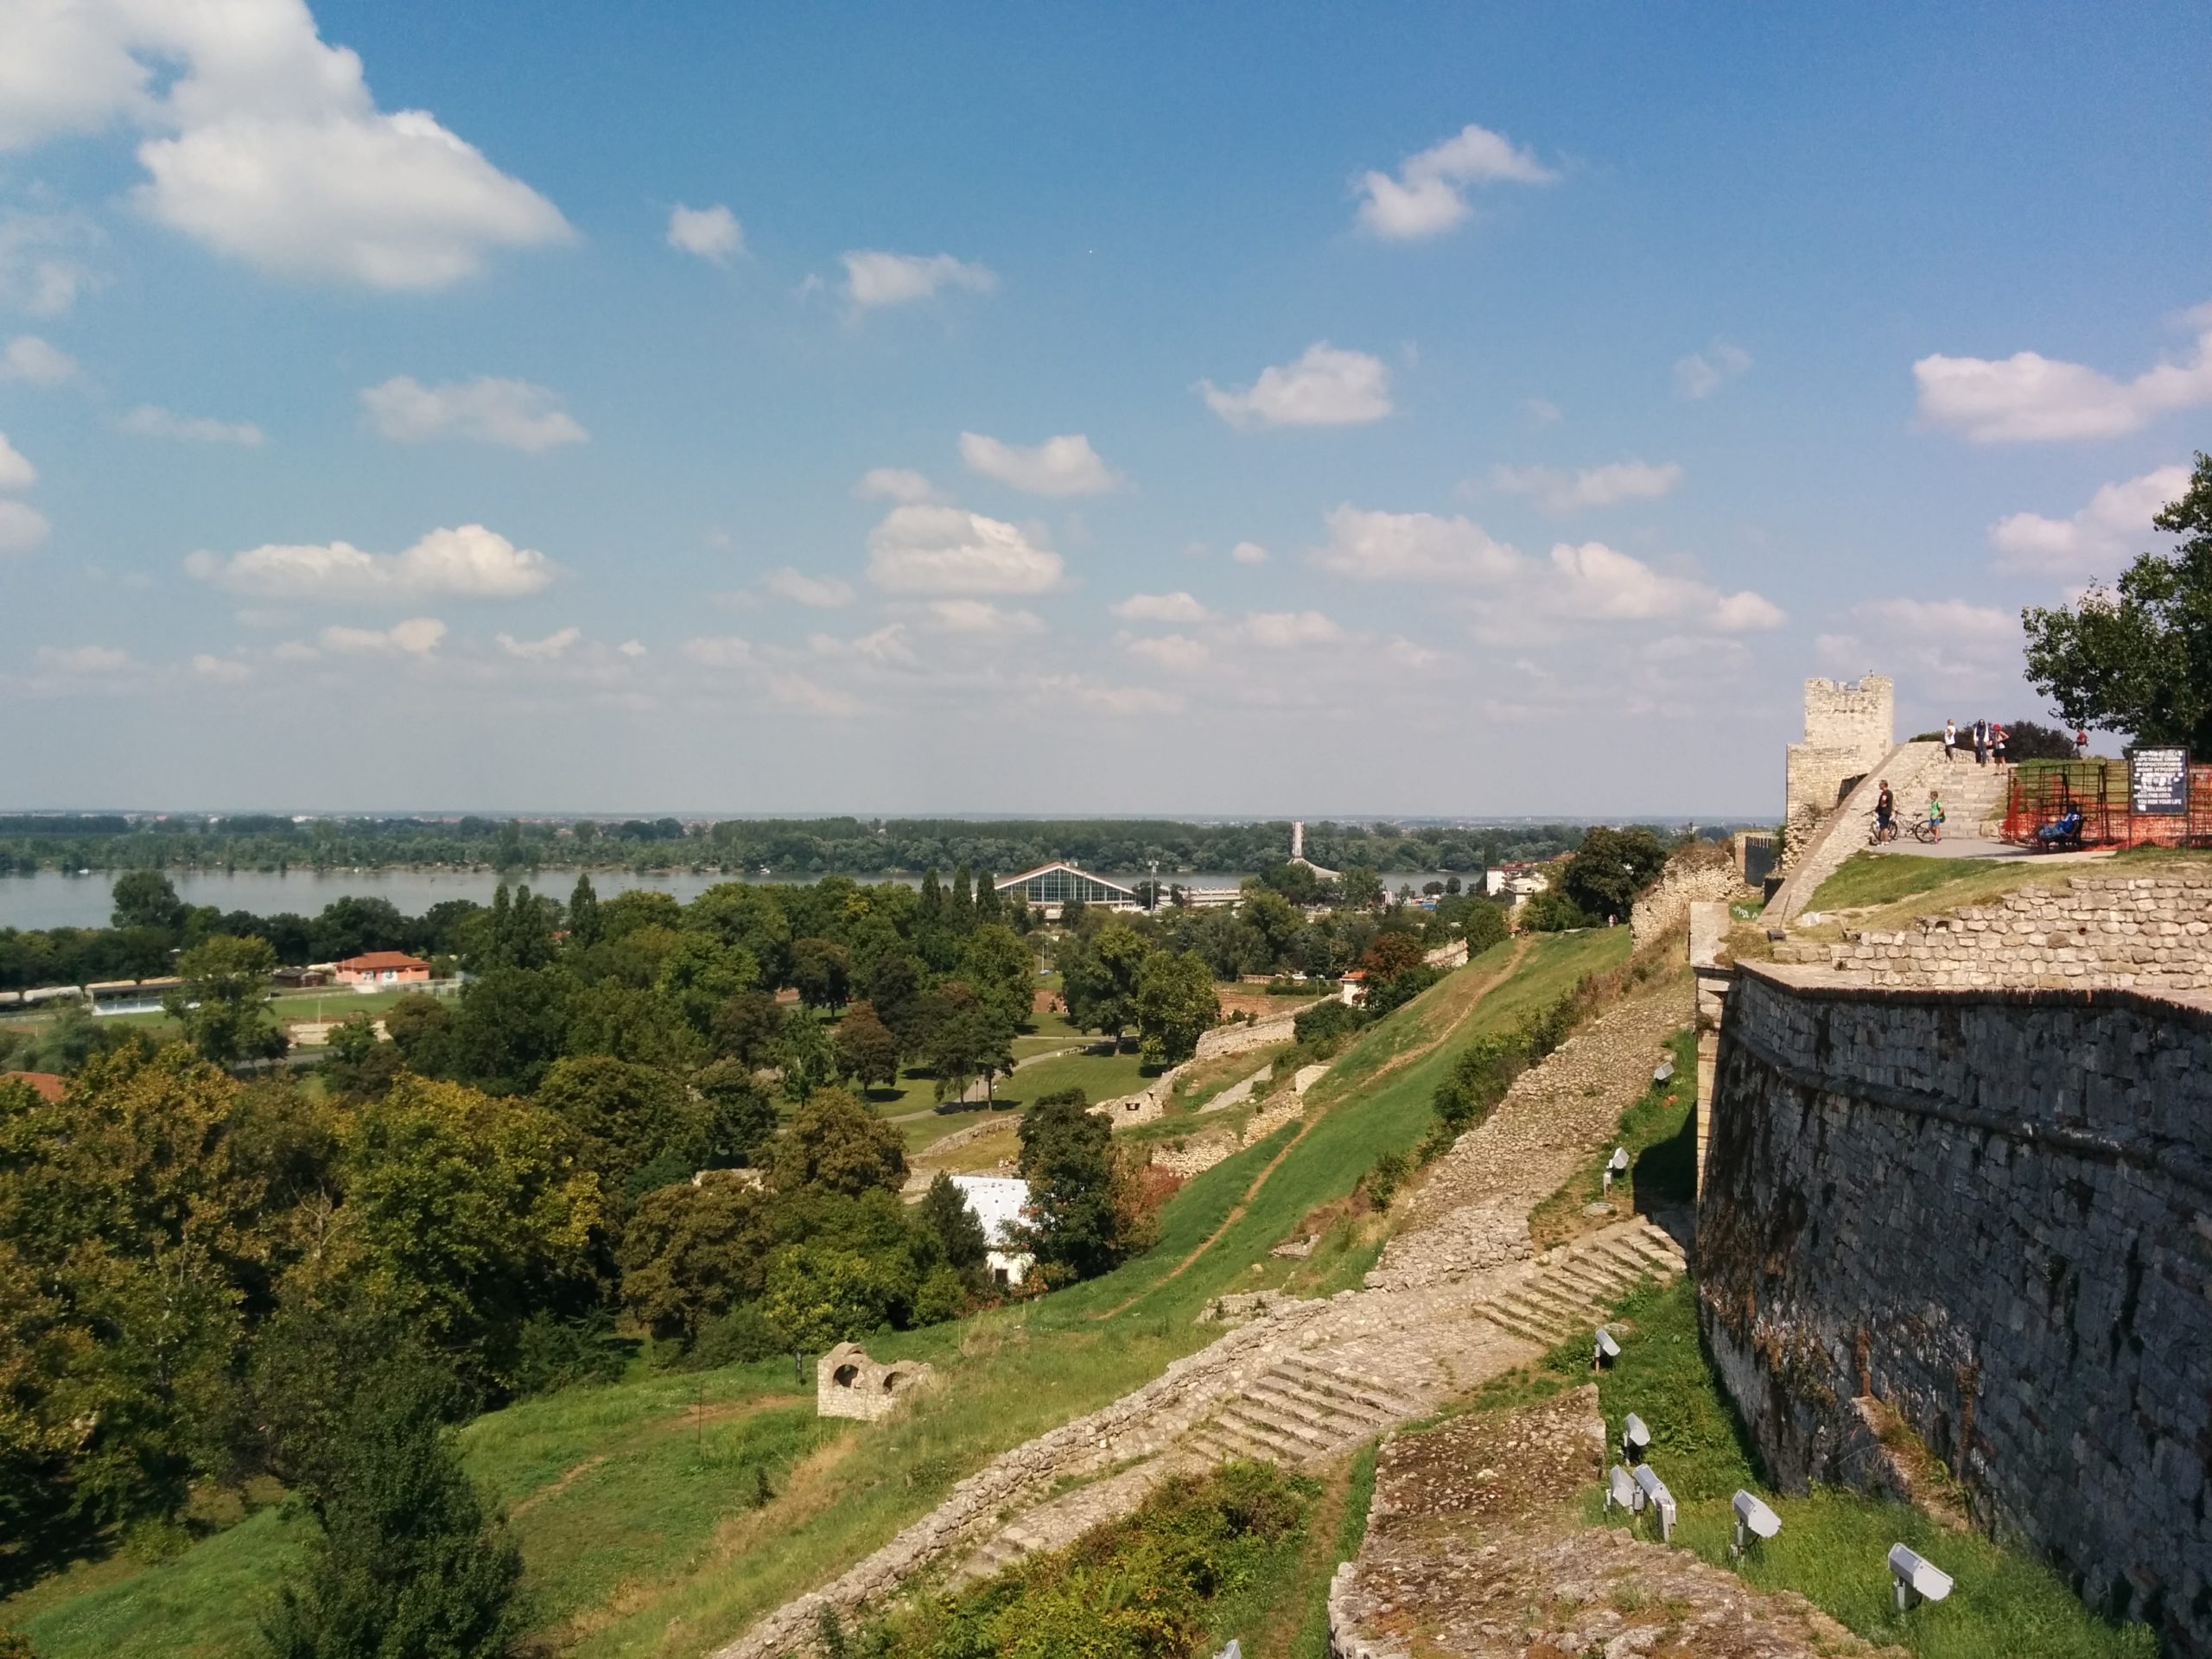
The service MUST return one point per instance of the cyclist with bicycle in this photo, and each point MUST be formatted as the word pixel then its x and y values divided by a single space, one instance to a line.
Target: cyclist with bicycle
pixel 1885 812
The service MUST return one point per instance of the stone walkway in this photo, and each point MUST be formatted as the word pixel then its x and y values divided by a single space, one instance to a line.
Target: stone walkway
pixel 1459 1298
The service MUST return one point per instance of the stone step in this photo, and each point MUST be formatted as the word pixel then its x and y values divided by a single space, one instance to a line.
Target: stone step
pixel 1563 1303
pixel 1324 1394
pixel 1594 1286
pixel 1314 1410
pixel 1519 1330
pixel 1550 1326
pixel 1362 1390
pixel 1221 1443
pixel 1291 1441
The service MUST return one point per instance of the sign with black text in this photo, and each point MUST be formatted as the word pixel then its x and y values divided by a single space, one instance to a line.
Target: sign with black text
pixel 2158 782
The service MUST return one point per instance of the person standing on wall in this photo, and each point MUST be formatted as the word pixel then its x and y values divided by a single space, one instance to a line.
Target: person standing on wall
pixel 1950 741
pixel 1997 742
pixel 1885 812
pixel 1981 742
pixel 2081 743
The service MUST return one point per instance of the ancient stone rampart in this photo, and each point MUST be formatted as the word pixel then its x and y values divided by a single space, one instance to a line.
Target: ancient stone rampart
pixel 1986 1209
pixel 1816 851
pixel 1849 726
pixel 1702 873
pixel 1233 1037
pixel 2146 932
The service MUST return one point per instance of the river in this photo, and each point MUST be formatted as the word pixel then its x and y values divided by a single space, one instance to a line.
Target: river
pixel 51 899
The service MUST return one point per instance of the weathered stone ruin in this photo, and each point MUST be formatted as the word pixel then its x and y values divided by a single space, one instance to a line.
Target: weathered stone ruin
pixel 1850 728
pixel 848 1383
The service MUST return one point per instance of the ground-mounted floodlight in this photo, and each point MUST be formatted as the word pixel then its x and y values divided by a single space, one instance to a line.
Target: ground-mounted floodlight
pixel 1755 1518
pixel 1604 1350
pixel 1234 1651
pixel 1656 1496
pixel 1621 1490
pixel 1665 1074
pixel 1616 1166
pixel 1916 1579
pixel 1636 1439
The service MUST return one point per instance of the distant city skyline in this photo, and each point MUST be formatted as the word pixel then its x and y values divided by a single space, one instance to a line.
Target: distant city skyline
pixel 1481 414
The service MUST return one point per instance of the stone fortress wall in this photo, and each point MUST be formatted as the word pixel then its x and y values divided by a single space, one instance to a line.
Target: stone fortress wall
pixel 1987 1208
pixel 1850 729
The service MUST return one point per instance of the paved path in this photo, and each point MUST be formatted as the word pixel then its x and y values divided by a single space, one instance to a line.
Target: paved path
pixel 1970 847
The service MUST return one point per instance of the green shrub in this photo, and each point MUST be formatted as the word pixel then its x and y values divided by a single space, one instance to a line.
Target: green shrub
pixel 737 1338
pixel 1324 1020
pixel 1384 1177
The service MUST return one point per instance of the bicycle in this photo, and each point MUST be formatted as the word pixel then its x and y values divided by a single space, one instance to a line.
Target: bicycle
pixel 1877 832
pixel 1926 830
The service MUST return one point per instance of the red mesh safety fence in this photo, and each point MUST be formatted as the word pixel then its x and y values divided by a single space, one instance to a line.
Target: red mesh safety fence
pixel 2042 793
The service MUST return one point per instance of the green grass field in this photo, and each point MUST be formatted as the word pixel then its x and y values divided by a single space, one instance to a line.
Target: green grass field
pixel 1903 885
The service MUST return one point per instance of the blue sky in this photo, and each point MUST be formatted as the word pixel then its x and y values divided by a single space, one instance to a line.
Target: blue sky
pixel 1426 409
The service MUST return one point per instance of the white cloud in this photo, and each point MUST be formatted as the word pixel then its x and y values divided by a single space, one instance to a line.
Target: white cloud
pixel 873 278
pixel 1412 547
pixel 265 145
pixel 1426 196
pixel 1325 387
pixel 1160 608
pixel 469 563
pixel 34 363
pixel 726 652
pixel 1123 700
pixel 221 670
pixel 82 659
pixel 21 528
pixel 1702 373
pixel 823 593
pixel 923 550
pixel 1595 581
pixel 1289 630
pixel 40 271
pixel 894 484
pixel 149 421
pixel 2030 398
pixel 1248 553
pixel 16 472
pixel 712 233
pixel 1590 486
pixel 416 637
pixel 1544 412
pixel 510 414
pixel 979 616
pixel 2101 536
pixel 633 649
pixel 551 648
pixel 808 696
pixel 1062 466
pixel 1176 652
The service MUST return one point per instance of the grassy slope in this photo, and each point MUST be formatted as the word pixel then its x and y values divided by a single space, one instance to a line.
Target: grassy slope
pixel 658 1548
pixel 1905 885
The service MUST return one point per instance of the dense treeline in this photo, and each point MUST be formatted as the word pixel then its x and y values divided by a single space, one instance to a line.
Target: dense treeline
pixel 788 847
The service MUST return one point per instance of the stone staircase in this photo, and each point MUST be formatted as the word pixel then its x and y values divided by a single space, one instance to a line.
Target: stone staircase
pixel 1973 796
pixel 1565 1292
pixel 1302 1409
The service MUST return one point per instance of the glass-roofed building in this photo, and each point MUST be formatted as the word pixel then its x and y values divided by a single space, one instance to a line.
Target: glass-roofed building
pixel 1055 884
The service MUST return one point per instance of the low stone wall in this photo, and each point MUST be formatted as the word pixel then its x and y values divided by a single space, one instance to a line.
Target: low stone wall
pixel 2147 932
pixel 1988 1210
pixel 1232 1037
pixel 1817 845
pixel 1696 875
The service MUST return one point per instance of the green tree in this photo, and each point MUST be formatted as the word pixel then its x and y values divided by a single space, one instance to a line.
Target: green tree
pixel 643 1027
pixel 405 1559
pixel 866 1051
pixel 625 913
pixel 1001 969
pixel 740 1118
pixel 510 1026
pixel 625 1117
pixel 893 985
pixel 809 1057
pixel 1084 1224
pixel 1098 978
pixel 702 974
pixel 749 1029
pixel 945 1213
pixel 748 918
pixel 1359 887
pixel 417 1025
pixel 690 1251
pixel 1275 919
pixel 224 1001
pixel 584 927
pixel 147 899
pixel 1175 1003
pixel 1553 912
pixel 964 1039
pixel 2137 656
pixel 837 1144
pixel 1611 868
pixel 356 1064
pixel 822 973
pixel 820 1294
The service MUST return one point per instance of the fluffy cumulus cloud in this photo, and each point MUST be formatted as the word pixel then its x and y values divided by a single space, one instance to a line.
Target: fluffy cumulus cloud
pixel 1371 546
pixel 2030 398
pixel 920 548
pixel 263 142
pixel 2097 540
pixel 823 593
pixel 31 361
pixel 82 659
pixel 551 648
pixel 1063 466
pixel 1427 195
pixel 1176 653
pixel 873 278
pixel 1590 486
pixel 16 472
pixel 1951 647
pixel 1702 373
pixel 1160 608
pixel 712 233
pixel 1248 553
pixel 467 562
pixel 22 527
pixel 42 269
pixel 894 484
pixel 221 670
pixel 1289 630
pixel 980 617
pixel 506 414
pixel 1325 387
pixel 150 421
pixel 416 637
pixel 1596 583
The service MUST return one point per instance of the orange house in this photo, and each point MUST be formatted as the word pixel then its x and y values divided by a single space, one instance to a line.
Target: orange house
pixel 381 968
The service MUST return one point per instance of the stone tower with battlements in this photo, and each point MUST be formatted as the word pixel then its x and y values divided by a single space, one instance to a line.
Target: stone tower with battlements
pixel 1850 727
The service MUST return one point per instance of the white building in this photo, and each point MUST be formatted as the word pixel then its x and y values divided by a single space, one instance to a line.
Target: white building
pixel 998 1202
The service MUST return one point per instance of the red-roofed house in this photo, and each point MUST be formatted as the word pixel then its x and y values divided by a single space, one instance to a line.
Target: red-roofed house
pixel 48 1086
pixel 381 968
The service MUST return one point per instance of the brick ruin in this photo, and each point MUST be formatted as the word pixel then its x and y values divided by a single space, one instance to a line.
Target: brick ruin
pixel 848 1383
